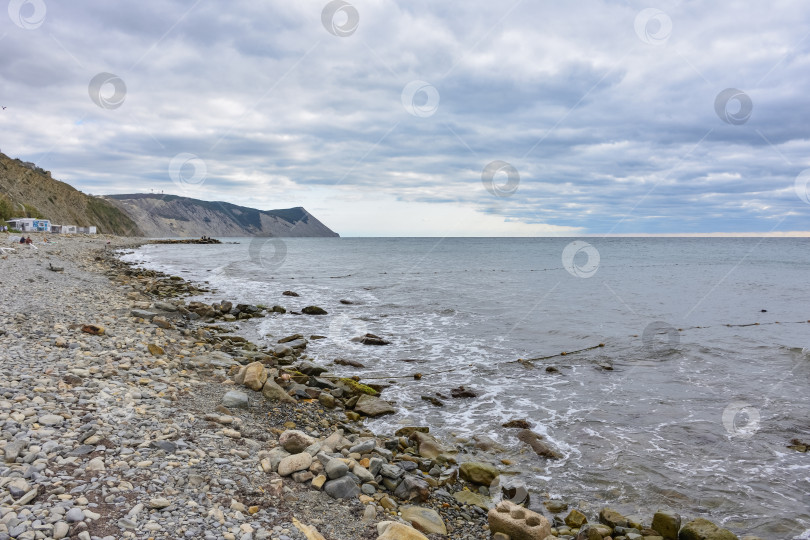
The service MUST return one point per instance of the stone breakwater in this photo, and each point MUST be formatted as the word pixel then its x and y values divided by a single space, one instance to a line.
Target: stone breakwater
pixel 128 412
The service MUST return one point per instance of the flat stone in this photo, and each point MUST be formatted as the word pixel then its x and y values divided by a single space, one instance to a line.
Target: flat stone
pixel 703 529
pixel 391 530
pixel 167 446
pixel 364 447
pixel 235 400
pixel 478 473
pixel 159 503
pixel 373 406
pixel 82 450
pixel 51 420
pixel 425 520
pixel 143 314
pixel 472 499
pixel 28 497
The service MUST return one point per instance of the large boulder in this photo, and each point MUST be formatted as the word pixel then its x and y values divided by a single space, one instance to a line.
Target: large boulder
pixel 255 376
pixel 295 441
pixel 413 488
pixel 667 524
pixel 478 473
pixel 703 529
pixel 313 310
pixel 517 522
pixel 425 520
pixel 341 488
pixel 575 519
pixel 294 463
pixel 273 392
pixel 391 530
pixel 235 400
pixel 373 406
pixel 427 445
pixel 335 468
pixel 612 518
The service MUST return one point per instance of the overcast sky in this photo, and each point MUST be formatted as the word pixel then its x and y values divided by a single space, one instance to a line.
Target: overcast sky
pixel 423 117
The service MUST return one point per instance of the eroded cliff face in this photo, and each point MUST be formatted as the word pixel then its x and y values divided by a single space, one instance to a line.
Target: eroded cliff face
pixel 29 191
pixel 175 216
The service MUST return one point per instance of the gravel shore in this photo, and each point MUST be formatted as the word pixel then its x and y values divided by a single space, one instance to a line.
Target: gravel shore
pixel 104 438
pixel 128 411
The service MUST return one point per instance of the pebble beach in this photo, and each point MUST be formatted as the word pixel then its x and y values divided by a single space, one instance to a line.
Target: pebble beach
pixel 129 411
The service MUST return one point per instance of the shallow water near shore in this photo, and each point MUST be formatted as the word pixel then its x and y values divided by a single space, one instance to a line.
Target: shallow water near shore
pixel 694 415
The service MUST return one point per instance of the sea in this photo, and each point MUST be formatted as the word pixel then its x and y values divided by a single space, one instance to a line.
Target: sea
pixel 685 378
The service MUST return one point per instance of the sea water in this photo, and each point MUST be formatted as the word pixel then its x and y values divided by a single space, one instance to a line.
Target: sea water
pixel 702 381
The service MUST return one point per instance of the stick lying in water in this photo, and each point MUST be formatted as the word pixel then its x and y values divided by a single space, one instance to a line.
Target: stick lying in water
pixel 528 362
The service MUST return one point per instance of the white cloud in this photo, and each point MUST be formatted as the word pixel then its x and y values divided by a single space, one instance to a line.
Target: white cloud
pixel 609 134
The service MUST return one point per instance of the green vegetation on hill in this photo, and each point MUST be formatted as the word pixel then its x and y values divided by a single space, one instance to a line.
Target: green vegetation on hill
pixel 29 191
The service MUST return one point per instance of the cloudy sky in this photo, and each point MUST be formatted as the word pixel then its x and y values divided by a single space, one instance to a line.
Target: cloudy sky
pixel 420 117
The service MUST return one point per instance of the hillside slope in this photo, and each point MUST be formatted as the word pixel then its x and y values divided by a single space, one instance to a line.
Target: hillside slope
pixel 175 216
pixel 29 191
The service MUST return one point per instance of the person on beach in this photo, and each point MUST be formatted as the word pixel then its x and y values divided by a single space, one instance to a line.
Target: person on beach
pixel 22 239
pixel 29 241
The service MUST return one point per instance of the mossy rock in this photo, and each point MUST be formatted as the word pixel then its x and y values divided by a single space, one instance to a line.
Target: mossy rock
pixel 703 529
pixel 358 388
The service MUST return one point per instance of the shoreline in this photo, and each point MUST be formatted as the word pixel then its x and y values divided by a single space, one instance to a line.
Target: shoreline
pixel 180 385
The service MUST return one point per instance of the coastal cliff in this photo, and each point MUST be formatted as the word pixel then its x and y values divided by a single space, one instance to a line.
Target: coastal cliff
pixel 160 215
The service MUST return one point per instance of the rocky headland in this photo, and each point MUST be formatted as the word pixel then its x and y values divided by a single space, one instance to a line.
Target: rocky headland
pixel 131 410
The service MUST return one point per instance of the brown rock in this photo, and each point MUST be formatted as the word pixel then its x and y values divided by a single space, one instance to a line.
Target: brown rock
pixel 255 376
pixel 540 447
pixel 93 329
pixel 273 392
pixel 575 519
pixel 518 423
